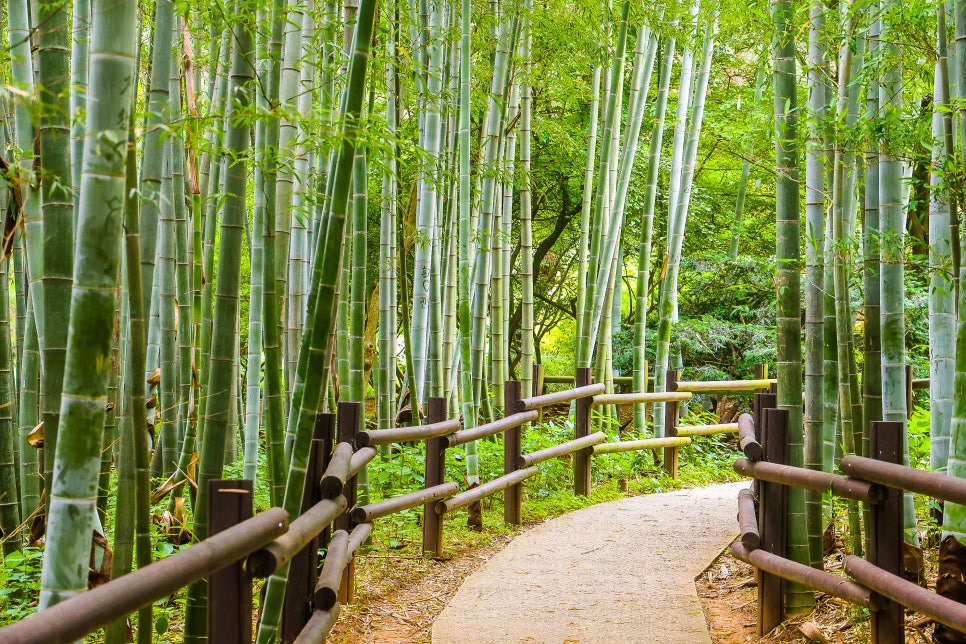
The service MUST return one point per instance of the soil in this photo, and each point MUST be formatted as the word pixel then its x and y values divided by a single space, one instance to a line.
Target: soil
pixel 399 595
pixel 729 596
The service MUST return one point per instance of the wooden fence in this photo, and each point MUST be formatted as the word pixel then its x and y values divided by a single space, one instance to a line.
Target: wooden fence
pixel 243 547
pixel 875 582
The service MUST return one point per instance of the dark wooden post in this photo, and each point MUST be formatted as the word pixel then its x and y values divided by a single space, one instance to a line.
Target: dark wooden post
pixel 538 375
pixel 229 589
pixel 772 519
pixel 761 371
pixel 581 429
pixel 512 448
pixel 304 569
pixel 672 415
pixel 435 474
pixel 885 533
pixel 909 391
pixel 349 422
pixel 760 402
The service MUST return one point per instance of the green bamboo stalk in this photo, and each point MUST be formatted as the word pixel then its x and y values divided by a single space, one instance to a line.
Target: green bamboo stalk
pixel 891 255
pixel 468 408
pixel 841 261
pixel 428 207
pixel 58 226
pixel 80 32
pixel 224 320
pixel 388 332
pixel 21 68
pixel 647 229
pixel 583 270
pixel 872 373
pixel 315 350
pixel 667 303
pixel 954 515
pixel 76 461
pixel 156 121
pixel 9 497
pixel 166 427
pixel 942 348
pixel 788 255
pixel 30 482
pixel 526 216
pixel 814 270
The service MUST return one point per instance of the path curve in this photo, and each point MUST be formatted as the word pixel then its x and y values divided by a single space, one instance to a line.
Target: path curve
pixel 614 573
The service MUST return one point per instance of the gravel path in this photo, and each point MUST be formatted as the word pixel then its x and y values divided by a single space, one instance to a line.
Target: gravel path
pixel 615 573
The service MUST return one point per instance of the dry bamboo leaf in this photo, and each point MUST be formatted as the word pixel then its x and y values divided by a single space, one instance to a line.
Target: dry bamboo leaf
pixel 192 467
pixel 151 402
pixel 99 575
pixel 35 437
pixel 38 521
pixel 812 632
pixel 110 407
pixel 166 487
pixel 155 378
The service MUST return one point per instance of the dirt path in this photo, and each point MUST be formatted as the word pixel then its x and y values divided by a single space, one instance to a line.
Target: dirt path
pixel 615 572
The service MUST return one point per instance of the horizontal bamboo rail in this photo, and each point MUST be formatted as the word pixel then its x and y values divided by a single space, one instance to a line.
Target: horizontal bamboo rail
pixel 526 460
pixel 839 485
pixel 485 490
pixel 74 618
pixel 569 380
pixel 643 397
pixel 360 459
pixel 707 430
pixel 702 386
pixel 337 472
pixel 489 429
pixel 318 626
pixel 933 484
pixel 939 608
pixel 748 520
pixel 747 439
pixel 536 402
pixel 342 547
pixel 807 576
pixel 266 560
pixel 373 511
pixel 406 434
pixel 647 443
pixel 337 556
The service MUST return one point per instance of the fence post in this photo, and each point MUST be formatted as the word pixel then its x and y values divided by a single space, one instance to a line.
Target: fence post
pixel 350 417
pixel 229 589
pixel 760 402
pixel 909 391
pixel 772 518
pixel 304 569
pixel 761 371
pixel 885 533
pixel 672 415
pixel 513 495
pixel 581 429
pixel 538 375
pixel 435 474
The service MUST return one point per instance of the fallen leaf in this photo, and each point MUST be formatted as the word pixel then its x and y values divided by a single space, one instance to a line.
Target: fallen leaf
pixel 812 632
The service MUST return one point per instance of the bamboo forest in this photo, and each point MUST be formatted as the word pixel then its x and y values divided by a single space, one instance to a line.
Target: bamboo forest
pixel 281 244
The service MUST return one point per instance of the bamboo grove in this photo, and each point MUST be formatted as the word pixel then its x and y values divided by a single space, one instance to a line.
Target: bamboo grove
pixel 224 219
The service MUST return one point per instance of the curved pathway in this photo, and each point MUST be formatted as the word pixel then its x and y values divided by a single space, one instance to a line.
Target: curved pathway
pixel 614 573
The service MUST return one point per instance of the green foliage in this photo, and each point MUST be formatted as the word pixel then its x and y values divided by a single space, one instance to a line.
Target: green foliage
pixel 19 584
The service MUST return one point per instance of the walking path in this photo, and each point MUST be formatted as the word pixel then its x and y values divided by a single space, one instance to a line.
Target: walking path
pixel 615 573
